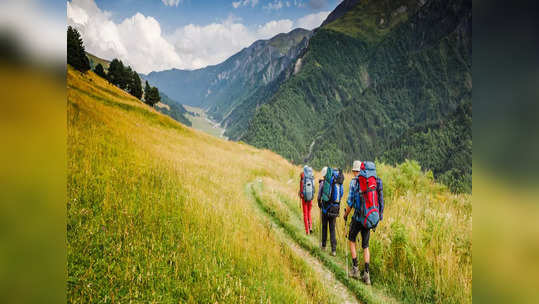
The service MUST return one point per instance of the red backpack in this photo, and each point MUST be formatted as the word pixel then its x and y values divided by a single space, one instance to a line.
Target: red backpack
pixel 369 214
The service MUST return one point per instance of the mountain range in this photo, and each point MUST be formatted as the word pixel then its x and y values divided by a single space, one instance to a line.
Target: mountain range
pixel 226 90
pixel 357 87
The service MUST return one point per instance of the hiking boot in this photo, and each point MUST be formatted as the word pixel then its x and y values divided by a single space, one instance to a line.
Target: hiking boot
pixel 366 278
pixel 333 253
pixel 354 272
pixel 322 247
pixel 311 231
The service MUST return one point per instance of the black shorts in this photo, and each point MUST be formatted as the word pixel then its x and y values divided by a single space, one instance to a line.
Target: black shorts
pixel 355 228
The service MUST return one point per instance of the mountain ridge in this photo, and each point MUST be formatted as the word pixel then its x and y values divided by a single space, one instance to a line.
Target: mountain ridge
pixel 219 88
pixel 359 90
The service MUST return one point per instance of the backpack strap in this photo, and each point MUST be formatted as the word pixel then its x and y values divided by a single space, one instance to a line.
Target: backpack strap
pixel 368 190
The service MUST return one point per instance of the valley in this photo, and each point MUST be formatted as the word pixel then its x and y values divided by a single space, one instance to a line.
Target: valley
pixel 202 122
pixel 189 194
pixel 373 72
pixel 154 215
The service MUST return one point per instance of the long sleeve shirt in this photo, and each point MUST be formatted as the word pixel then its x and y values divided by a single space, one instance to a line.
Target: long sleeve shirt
pixel 352 193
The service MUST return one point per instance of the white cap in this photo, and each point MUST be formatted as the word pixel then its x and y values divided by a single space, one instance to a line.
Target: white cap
pixel 356 166
pixel 324 171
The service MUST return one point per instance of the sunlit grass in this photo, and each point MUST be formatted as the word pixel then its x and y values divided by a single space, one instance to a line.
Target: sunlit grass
pixel 421 252
pixel 156 211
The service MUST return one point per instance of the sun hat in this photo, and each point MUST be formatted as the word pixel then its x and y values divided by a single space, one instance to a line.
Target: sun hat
pixel 356 166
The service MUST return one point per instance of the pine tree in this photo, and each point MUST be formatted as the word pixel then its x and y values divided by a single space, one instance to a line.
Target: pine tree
pixel 116 70
pixel 151 95
pixel 100 71
pixel 147 89
pixel 125 82
pixel 155 96
pixel 76 55
pixel 135 87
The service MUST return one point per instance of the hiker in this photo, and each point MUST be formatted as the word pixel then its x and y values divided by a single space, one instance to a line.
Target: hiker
pixel 330 192
pixel 367 199
pixel 306 194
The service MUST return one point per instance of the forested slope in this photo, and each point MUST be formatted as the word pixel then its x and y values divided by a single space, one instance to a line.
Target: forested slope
pixel 379 70
pixel 444 147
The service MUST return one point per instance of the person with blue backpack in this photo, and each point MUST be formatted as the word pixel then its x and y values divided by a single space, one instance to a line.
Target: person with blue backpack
pixel 367 199
pixel 306 195
pixel 330 192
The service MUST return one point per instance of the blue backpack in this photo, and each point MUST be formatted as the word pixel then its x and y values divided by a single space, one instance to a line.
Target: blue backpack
pixel 308 184
pixel 332 192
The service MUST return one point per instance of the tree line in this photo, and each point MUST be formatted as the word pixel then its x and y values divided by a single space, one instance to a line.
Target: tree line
pixel 118 74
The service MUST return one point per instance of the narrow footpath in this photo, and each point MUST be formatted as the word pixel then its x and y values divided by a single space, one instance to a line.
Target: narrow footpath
pixel 338 289
pixel 286 220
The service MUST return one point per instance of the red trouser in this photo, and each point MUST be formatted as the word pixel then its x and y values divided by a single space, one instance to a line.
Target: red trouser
pixel 307 206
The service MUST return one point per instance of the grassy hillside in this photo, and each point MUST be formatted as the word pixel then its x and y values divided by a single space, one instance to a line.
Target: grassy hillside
pixel 159 212
pixel 94 60
pixel 421 251
pixel 363 83
pixel 156 211
pixel 371 20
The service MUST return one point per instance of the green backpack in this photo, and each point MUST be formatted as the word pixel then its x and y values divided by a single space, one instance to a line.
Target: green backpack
pixel 326 190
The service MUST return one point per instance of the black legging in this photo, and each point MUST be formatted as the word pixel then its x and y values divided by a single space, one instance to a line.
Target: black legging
pixel 326 220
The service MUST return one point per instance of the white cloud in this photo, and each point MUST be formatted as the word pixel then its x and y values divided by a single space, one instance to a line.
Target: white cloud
pixel 312 21
pixel 201 46
pixel 140 42
pixel 171 2
pixel 274 27
pixel 276 5
pixel 137 41
pixel 239 3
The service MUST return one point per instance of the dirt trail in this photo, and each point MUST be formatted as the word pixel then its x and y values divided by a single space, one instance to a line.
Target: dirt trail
pixel 340 292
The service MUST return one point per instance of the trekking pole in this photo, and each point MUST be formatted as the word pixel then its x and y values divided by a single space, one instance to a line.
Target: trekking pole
pixel 346 249
pixel 320 228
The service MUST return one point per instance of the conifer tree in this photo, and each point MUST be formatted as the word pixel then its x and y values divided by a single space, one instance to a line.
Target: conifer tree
pixel 100 71
pixel 76 55
pixel 135 87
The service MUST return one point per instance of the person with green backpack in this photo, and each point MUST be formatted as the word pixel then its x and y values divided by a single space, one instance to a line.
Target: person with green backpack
pixel 367 199
pixel 330 192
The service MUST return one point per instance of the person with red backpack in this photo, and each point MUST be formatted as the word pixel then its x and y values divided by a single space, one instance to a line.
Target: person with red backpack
pixel 367 198
pixel 306 194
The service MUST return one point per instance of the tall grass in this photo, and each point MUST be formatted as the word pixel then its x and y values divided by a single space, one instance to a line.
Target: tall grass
pixel 156 211
pixel 421 251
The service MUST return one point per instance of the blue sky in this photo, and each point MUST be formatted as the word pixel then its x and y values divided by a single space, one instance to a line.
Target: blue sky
pixel 208 11
pixel 154 35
